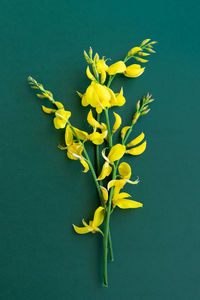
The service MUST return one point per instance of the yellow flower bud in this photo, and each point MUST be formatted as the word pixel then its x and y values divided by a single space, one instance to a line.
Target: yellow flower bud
pixel 134 70
pixel 134 51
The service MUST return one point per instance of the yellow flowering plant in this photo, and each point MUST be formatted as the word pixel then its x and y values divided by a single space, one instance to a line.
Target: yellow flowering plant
pixel 111 177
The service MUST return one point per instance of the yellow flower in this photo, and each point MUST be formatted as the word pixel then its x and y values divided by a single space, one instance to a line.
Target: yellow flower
pixel 61 118
pixel 134 70
pixel 74 151
pixel 138 149
pixel 125 174
pixel 93 225
pixel 101 66
pixel 118 67
pixel 120 200
pixel 116 152
pixel 97 138
pixel 89 74
pixel 68 136
pixel 120 99
pixel 98 96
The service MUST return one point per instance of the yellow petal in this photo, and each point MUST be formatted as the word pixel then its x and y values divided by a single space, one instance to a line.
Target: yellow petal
pixel 120 99
pixel 118 67
pixel 123 195
pixel 103 76
pixel 82 135
pixel 134 70
pixel 104 193
pixel 137 150
pixel 116 152
pixel 125 203
pixel 85 165
pixel 91 120
pixel 117 183
pixel 80 95
pixel 124 170
pixel 137 140
pixel 117 123
pixel 134 50
pixel 48 110
pixel 101 66
pixel 68 136
pixel 98 216
pixel 59 104
pixel 59 123
pixel 124 131
pixel 82 230
pixel 61 118
pixel 97 138
pixel 89 74
pixel 106 170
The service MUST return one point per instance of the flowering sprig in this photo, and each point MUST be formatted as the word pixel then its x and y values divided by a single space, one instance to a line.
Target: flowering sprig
pixel 111 177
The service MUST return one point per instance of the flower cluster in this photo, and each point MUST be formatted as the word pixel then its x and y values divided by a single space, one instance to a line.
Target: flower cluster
pixel 111 177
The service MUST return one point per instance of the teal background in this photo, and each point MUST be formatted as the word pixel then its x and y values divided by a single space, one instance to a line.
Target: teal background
pixel 42 193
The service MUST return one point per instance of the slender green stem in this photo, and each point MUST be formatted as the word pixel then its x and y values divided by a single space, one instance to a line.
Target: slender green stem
pixel 108 126
pixel 98 168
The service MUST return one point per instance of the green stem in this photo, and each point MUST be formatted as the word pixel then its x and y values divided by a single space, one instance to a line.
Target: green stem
pixel 108 126
pixel 97 186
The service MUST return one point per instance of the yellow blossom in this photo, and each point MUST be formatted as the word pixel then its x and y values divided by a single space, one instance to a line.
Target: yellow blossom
pixel 116 152
pixel 84 164
pixel 134 70
pixel 82 135
pixel 75 150
pixel 93 225
pixel 120 99
pixel 104 193
pixel 97 138
pixel 92 121
pixel 118 67
pixel 120 200
pixel 138 149
pixel 89 74
pixel 61 118
pixel 101 66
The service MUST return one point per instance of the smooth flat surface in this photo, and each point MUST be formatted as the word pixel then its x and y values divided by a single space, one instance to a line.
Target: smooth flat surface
pixel 42 193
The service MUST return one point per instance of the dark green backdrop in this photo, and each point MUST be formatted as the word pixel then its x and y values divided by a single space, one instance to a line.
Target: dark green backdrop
pixel 42 193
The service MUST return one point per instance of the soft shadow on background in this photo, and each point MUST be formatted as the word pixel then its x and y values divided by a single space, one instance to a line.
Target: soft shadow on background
pixel 43 193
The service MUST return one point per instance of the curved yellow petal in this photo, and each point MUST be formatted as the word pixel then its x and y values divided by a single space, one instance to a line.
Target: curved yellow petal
pixel 118 67
pixel 59 104
pixel 134 70
pixel 85 165
pixel 104 193
pixel 116 152
pixel 125 203
pixel 59 123
pixel 123 195
pixel 124 131
pixel 134 50
pixel 137 150
pixel 98 216
pixel 91 120
pixel 106 170
pixel 117 123
pixel 82 230
pixel 137 140
pixel 82 135
pixel 61 118
pixel 68 136
pixel 124 170
pixel 117 183
pixel 103 76
pixel 48 110
pixel 120 99
pixel 89 74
